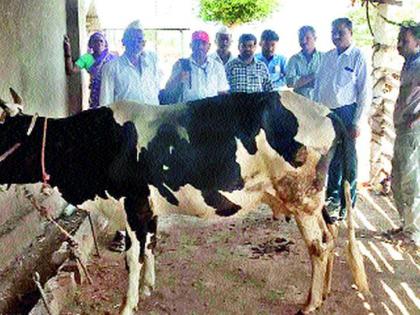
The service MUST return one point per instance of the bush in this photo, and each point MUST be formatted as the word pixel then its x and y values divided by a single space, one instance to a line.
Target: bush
pixel 235 12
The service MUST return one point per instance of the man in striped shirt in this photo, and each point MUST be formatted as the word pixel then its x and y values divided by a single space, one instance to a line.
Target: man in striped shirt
pixel 245 73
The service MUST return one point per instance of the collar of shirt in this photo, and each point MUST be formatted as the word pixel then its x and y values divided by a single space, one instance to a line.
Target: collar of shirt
pixel 202 66
pixel 347 52
pixel 411 61
pixel 303 57
pixel 142 57
pixel 244 63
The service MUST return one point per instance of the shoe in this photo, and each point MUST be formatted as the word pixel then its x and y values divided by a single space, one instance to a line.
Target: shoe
pixel 333 209
pixel 118 242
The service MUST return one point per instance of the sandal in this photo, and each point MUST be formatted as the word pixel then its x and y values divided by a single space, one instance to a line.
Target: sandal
pixel 118 243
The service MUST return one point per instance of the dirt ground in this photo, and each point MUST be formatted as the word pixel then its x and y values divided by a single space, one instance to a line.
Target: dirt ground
pixel 255 265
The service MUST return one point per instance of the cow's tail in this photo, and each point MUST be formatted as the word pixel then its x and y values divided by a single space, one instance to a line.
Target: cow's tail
pixel 353 254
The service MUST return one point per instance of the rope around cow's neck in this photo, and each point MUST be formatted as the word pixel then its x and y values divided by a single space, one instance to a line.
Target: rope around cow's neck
pixel 45 175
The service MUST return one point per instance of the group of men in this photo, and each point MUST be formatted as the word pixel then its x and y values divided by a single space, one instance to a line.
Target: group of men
pixel 338 79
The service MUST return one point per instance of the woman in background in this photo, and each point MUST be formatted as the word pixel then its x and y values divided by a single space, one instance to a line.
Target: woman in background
pixel 92 61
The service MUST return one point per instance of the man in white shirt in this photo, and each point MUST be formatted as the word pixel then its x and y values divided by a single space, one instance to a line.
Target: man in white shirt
pixel 343 85
pixel 135 75
pixel 132 77
pixel 223 42
pixel 197 77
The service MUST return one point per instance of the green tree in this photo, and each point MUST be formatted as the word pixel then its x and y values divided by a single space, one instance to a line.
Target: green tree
pixel 235 12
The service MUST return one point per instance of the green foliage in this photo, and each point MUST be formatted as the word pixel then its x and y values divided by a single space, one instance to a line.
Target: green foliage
pixel 235 12
pixel 361 34
pixel 413 26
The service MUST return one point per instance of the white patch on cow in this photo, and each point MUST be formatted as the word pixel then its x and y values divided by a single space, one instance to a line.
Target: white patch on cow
pixel 165 167
pixel 10 110
pixel 134 268
pixel 148 277
pixel 257 172
pixel 171 149
pixel 315 129
pixel 191 202
pixel 263 172
pixel 32 124
pixel 148 119
pixel 110 208
pixel 13 109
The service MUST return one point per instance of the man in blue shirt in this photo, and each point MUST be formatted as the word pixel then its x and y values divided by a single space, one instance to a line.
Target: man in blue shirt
pixel 275 63
pixel 343 85
pixel 303 66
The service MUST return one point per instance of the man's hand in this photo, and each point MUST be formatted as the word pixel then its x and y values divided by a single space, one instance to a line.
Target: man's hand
pixel 354 132
pixel 304 80
pixel 412 121
pixel 66 46
pixel 184 76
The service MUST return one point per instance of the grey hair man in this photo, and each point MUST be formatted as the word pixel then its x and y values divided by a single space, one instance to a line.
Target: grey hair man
pixel 135 75
pixel 223 42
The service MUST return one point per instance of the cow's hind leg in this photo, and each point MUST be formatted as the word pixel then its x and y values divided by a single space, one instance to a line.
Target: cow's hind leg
pixel 140 266
pixel 320 246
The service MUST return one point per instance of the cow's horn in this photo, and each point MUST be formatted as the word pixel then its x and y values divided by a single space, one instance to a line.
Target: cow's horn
pixel 16 98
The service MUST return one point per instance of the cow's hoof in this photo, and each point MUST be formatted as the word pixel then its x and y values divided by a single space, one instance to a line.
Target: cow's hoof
pixel 127 311
pixel 127 308
pixel 146 291
pixel 309 309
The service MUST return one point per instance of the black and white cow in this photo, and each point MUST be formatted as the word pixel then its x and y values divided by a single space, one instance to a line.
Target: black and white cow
pixel 213 157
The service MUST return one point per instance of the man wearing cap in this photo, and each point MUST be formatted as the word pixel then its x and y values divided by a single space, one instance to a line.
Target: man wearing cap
pixel 134 76
pixel 223 42
pixel 197 77
pixel 246 73
pixel 275 63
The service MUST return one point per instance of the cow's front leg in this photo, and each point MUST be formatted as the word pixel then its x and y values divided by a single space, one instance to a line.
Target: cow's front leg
pixel 320 244
pixel 147 279
pixel 138 226
pixel 333 230
pixel 134 267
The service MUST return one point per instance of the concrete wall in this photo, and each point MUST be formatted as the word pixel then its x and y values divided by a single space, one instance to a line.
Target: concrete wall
pixel 31 57
pixel 32 62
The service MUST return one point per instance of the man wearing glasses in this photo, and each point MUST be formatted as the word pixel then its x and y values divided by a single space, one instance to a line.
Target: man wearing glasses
pixel 246 73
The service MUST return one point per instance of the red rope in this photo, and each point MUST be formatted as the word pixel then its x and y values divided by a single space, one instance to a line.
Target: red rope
pixel 45 175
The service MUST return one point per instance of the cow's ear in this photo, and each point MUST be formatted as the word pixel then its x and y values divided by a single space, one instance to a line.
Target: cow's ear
pixel 16 98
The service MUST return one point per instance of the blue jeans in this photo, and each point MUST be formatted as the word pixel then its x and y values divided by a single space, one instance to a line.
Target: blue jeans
pixel 335 188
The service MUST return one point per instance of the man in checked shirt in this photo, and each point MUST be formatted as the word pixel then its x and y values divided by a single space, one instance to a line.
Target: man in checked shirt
pixel 245 73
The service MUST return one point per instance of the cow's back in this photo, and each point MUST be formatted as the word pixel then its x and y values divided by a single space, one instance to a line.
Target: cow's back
pixel 221 155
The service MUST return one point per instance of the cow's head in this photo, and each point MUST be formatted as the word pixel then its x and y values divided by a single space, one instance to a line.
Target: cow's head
pixel 10 110
pixel 12 131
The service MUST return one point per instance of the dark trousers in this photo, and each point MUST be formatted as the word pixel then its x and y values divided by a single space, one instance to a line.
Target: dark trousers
pixel 335 188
